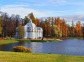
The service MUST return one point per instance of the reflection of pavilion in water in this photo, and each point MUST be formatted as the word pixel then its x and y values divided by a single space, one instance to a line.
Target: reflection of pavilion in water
pixel 37 47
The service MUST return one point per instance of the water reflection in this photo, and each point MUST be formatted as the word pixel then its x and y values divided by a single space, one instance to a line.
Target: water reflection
pixel 37 47
pixel 69 46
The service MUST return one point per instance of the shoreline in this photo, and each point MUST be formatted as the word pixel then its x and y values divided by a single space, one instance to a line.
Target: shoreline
pixel 40 40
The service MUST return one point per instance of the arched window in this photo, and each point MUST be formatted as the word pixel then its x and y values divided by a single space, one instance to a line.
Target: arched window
pixel 28 29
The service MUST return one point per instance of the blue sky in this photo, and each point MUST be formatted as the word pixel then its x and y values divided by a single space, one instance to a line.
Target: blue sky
pixel 43 8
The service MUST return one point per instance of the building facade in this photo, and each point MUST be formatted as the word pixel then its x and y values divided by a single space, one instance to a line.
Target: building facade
pixel 31 31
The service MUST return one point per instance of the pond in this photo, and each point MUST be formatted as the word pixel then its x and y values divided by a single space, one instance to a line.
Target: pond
pixel 68 46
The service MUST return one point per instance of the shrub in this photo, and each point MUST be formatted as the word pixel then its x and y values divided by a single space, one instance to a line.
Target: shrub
pixel 21 49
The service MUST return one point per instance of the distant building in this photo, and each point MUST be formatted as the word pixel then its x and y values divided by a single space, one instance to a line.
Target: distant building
pixel 31 31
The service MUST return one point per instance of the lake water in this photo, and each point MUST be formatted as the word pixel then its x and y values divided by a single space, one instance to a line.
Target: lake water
pixel 69 46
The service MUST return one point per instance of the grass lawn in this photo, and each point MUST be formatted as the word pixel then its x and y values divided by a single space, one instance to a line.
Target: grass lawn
pixel 29 57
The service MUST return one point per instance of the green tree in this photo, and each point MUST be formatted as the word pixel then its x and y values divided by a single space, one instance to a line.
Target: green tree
pixel 56 31
pixel 26 20
pixel 21 31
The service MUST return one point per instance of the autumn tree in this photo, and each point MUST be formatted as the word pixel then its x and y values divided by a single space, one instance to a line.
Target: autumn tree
pixel 0 26
pixel 37 22
pixel 47 28
pixel 64 29
pixel 83 30
pixel 78 29
pixel 31 16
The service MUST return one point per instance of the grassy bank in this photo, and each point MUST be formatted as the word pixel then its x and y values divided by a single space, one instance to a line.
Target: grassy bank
pixel 7 41
pixel 29 57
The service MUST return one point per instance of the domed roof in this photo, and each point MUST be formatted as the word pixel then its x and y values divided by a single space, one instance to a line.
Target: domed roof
pixel 30 24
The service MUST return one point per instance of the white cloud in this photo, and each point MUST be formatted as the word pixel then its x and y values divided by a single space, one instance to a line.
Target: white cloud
pixel 22 10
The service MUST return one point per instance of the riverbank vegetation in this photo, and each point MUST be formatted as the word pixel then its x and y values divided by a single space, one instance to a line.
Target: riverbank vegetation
pixel 29 57
pixel 21 49
pixel 39 40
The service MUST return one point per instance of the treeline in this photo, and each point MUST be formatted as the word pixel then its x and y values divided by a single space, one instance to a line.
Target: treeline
pixel 57 27
pixel 52 27
pixel 8 24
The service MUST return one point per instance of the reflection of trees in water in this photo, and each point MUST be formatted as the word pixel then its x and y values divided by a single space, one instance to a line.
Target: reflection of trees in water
pixel 21 43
